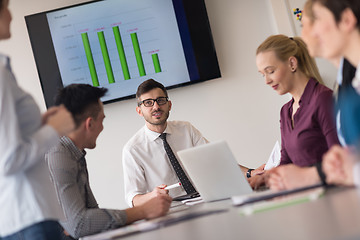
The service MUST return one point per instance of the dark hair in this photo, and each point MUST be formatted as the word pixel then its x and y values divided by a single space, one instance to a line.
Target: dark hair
pixel 1 4
pixel 337 7
pixel 149 85
pixel 82 100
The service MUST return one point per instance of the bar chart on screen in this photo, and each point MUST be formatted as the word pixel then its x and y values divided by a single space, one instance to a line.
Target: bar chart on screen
pixel 117 49
pixel 124 60
pixel 112 50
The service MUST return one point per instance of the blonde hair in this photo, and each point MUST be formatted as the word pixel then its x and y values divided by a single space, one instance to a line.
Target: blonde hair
pixel 285 47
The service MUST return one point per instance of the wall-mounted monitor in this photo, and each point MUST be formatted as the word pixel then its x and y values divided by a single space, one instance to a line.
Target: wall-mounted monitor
pixel 118 44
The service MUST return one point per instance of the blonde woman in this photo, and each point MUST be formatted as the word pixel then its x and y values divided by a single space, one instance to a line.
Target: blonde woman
pixel 306 121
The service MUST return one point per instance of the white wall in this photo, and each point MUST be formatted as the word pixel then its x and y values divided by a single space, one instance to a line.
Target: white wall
pixel 238 107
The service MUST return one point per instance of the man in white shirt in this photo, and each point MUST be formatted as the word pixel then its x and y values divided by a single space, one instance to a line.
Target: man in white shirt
pixel 147 166
pixel 69 173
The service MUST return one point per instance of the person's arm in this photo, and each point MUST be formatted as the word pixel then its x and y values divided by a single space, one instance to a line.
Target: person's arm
pixel 18 151
pixel 284 157
pixel 140 199
pixel 290 176
pixel 196 136
pixel 60 119
pixel 243 169
pixel 83 217
pixel 134 176
pixel 338 165
pixel 253 172
pixel 152 208
pixel 326 118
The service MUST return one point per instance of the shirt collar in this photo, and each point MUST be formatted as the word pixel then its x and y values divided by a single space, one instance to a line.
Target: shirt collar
pixel 154 135
pixel 308 91
pixel 69 144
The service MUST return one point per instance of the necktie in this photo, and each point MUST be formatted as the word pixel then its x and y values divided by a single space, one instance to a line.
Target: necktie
pixel 185 182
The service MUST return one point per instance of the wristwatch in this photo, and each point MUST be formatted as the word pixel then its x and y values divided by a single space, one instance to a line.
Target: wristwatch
pixel 248 173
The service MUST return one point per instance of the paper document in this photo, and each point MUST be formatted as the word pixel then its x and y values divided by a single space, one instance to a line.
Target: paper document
pixel 193 201
pixel 269 194
pixel 177 207
pixel 274 159
pixel 297 198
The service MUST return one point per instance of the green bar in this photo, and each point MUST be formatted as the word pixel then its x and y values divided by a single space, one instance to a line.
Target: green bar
pixel 120 48
pixel 106 57
pixel 138 56
pixel 90 59
pixel 156 62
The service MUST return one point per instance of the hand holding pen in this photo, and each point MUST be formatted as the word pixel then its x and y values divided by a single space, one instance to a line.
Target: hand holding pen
pixel 164 189
pixel 173 186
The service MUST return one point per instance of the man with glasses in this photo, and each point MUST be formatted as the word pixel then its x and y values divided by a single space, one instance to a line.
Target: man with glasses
pixel 149 157
pixel 69 173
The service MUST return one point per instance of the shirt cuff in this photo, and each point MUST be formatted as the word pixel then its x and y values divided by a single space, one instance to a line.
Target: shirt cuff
pixel 130 197
pixel 356 174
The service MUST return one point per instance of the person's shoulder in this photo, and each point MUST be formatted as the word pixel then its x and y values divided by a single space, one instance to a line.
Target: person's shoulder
pixel 182 127
pixel 322 93
pixel 58 148
pixel 137 139
pixel 178 124
pixel 286 106
pixel 59 156
pixel 321 88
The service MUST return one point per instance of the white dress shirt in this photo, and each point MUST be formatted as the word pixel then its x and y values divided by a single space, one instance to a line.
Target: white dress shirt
pixel 27 195
pixel 146 164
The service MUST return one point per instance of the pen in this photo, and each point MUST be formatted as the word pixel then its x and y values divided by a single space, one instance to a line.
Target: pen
pixel 173 186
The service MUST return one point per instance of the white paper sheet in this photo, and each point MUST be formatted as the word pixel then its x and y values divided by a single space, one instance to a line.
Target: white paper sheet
pixel 274 159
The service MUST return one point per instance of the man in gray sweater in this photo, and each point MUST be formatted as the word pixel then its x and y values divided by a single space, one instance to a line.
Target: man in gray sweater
pixel 69 173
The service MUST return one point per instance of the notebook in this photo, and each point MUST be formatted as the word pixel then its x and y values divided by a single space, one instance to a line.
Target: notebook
pixel 214 171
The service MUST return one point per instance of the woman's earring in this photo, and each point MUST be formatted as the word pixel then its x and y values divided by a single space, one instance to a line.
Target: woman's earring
pixel 293 70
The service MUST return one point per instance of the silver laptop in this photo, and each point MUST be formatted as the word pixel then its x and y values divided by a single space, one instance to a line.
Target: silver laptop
pixel 214 171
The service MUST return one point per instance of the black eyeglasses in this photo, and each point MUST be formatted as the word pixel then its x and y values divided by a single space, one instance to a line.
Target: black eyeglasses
pixel 150 102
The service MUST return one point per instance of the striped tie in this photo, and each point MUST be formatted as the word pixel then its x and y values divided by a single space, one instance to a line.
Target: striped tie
pixel 185 182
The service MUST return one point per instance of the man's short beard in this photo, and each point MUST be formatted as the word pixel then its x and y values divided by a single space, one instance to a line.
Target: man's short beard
pixel 158 123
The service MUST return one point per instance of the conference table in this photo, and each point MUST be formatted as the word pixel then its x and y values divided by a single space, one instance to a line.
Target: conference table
pixel 334 215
